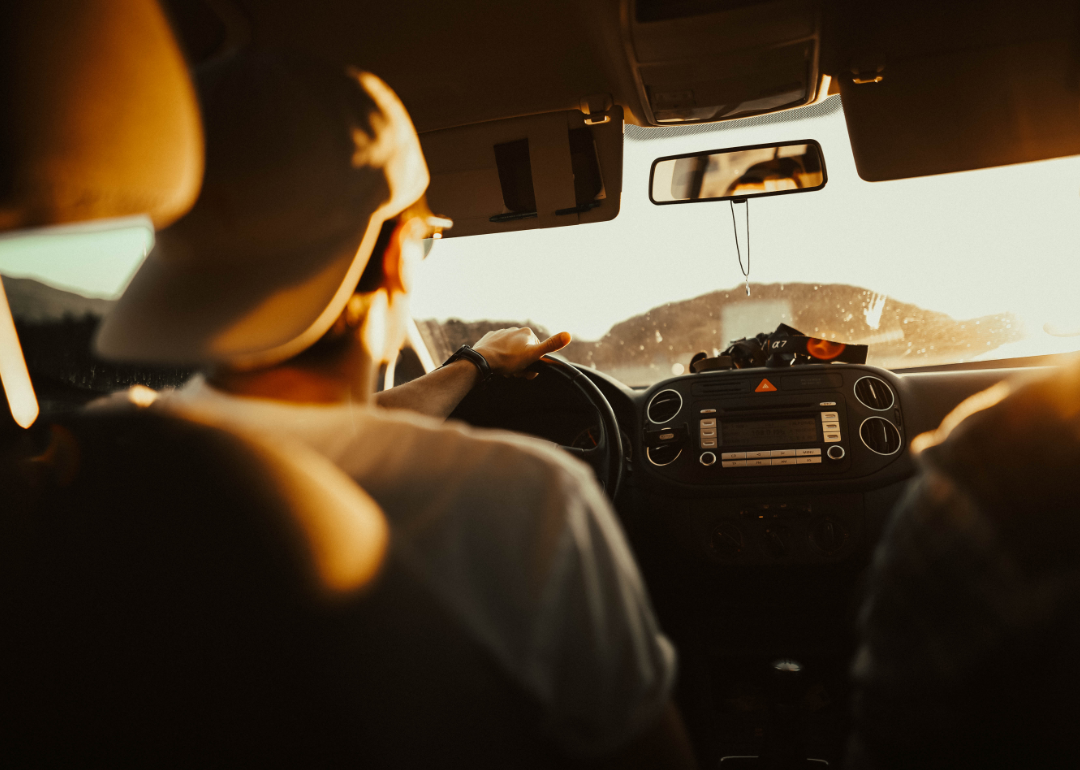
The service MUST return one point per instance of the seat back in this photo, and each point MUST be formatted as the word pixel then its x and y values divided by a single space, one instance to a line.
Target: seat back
pixel 164 602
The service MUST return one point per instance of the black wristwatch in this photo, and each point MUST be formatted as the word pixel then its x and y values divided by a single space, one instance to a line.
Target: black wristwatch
pixel 465 352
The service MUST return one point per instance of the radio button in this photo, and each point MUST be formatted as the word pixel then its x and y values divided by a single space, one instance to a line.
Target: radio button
pixel 733 456
pixel 808 460
pixel 783 453
pixel 827 403
pixel 807 452
pixel 757 463
pixel 832 437
pixel 785 461
pixel 830 416
pixel 708 443
pixel 758 454
pixel 708 432
pixel 734 463
pixel 708 411
pixel 710 423
pixel 830 426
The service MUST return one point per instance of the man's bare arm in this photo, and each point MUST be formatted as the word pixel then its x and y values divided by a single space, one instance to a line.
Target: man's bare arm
pixel 509 352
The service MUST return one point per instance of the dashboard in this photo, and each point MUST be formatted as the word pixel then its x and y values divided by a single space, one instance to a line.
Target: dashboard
pixel 753 500
pixel 787 439
pixel 754 467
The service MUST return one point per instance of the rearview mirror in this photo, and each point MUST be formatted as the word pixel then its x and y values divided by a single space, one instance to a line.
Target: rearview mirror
pixel 742 172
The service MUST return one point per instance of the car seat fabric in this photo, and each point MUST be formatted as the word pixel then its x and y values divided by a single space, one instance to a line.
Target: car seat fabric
pixel 163 608
pixel 972 619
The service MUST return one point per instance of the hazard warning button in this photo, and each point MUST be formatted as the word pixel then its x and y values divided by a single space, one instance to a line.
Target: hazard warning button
pixel 765 387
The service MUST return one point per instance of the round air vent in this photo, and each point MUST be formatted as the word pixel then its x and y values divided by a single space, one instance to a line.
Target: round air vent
pixel 664 406
pixel 663 455
pixel 874 393
pixel 880 436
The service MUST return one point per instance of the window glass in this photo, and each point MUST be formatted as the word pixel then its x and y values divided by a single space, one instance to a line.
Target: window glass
pixel 943 269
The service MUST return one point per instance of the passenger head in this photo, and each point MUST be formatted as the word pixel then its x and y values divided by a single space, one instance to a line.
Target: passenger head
pixel 310 168
pixel 972 622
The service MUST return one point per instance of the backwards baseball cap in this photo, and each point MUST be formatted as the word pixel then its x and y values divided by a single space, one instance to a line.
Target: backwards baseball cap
pixel 305 161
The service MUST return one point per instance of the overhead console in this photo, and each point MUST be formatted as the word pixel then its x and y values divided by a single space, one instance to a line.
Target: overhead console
pixel 797 424
pixel 709 60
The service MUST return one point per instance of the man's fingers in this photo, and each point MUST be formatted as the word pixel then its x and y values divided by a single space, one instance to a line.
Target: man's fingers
pixel 553 343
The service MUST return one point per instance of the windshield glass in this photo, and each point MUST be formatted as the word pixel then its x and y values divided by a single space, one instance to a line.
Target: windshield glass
pixel 934 270
pixel 60 282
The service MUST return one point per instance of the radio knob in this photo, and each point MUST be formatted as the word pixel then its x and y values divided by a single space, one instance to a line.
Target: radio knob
pixel 707 459
pixel 835 452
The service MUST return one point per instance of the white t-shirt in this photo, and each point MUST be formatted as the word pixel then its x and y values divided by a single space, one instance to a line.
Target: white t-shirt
pixel 513 535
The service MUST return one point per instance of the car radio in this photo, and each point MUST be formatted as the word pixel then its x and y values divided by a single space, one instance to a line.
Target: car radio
pixel 718 427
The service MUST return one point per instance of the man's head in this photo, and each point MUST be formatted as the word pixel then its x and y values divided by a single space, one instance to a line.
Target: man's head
pixel 305 163
pixel 371 328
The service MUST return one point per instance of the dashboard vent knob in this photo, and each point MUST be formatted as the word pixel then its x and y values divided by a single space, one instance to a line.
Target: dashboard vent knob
pixel 875 393
pixel 664 406
pixel 880 436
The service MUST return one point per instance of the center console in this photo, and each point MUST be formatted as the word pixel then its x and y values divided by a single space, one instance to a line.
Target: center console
pixel 739 427
pixel 761 466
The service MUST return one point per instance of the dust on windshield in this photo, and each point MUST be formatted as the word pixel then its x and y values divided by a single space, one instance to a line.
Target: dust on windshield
pixel 660 342
pixel 936 270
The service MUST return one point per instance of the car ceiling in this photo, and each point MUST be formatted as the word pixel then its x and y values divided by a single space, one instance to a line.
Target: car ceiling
pixel 451 64
pixel 467 63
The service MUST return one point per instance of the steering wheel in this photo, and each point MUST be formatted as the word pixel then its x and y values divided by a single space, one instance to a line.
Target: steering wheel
pixel 608 456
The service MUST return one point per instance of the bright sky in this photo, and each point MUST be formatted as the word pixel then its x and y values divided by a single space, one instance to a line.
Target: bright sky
pixel 964 244
pixel 95 259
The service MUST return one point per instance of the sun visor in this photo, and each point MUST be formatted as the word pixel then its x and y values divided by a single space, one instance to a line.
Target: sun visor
pixel 994 104
pixel 548 170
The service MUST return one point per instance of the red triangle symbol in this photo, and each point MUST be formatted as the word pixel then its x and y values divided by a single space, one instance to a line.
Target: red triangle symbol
pixel 765 387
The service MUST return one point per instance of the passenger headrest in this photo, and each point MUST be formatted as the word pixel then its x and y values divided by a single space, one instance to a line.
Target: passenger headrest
pixel 100 118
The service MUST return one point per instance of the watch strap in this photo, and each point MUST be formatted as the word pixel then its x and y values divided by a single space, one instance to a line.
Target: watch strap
pixel 466 353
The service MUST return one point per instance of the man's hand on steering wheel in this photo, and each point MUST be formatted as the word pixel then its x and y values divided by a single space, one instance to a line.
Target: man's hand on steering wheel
pixel 510 352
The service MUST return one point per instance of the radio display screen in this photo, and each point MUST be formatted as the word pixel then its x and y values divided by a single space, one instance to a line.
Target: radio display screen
pixel 799 430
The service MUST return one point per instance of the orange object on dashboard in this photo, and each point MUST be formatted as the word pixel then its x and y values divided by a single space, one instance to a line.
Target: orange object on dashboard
pixel 824 350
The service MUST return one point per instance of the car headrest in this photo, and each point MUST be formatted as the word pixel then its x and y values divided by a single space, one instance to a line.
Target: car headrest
pixel 100 117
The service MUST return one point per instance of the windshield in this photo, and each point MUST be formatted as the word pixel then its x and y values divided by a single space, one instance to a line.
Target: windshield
pixel 951 268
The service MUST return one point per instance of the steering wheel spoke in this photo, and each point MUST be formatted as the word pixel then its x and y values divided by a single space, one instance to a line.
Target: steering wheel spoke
pixel 590 455
pixel 607 457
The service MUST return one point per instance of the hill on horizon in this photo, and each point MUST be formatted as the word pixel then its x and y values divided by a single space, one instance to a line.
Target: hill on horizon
pixel 36 302
pixel 645 347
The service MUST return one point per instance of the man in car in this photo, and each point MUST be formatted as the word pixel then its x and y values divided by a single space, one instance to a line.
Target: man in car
pixel 289 283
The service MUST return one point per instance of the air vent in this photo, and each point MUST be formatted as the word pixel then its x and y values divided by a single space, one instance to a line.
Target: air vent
pixel 880 436
pixel 726 385
pixel 663 455
pixel 664 406
pixel 874 393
